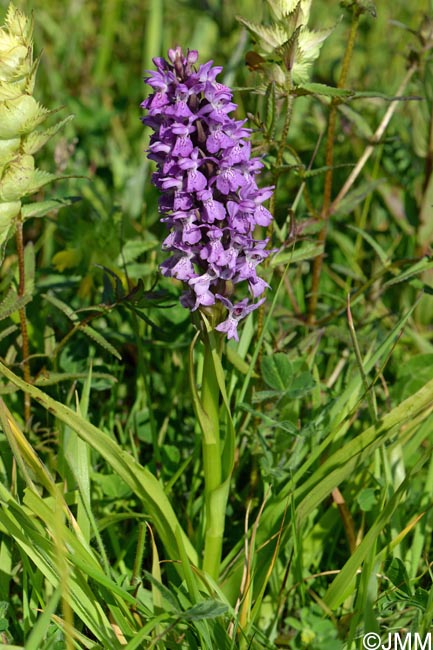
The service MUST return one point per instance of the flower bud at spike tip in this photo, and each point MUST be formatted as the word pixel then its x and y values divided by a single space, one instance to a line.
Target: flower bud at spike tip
pixel 209 199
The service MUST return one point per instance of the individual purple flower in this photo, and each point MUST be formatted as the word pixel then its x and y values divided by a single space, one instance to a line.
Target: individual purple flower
pixel 209 199
pixel 235 313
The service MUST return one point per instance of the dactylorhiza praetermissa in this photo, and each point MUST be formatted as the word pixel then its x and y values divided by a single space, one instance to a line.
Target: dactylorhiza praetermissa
pixel 209 197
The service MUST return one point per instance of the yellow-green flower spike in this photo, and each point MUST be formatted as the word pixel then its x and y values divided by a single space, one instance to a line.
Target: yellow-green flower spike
pixel 20 115
pixel 287 46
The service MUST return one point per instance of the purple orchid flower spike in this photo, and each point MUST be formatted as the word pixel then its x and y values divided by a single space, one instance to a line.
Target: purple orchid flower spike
pixel 209 200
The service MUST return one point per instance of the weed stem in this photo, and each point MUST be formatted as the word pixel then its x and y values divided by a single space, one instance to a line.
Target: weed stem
pixel 22 314
pixel 329 159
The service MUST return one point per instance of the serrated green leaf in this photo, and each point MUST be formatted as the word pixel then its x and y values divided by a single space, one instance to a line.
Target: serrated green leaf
pixel 309 45
pixel 269 37
pixel 283 8
pixel 38 179
pixel 82 327
pixel 41 208
pixel 311 88
pixel 277 371
pixel 37 139
pixel 310 173
pixel 100 340
pixel 62 306
pixel 11 303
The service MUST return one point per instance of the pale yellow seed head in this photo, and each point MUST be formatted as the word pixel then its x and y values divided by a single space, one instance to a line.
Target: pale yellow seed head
pixel 16 48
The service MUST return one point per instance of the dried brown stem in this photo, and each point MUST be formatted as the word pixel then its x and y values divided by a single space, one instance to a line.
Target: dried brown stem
pixel 22 314
pixel 329 159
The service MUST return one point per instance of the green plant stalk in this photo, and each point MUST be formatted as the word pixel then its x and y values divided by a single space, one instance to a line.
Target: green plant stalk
pixel 22 314
pixel 279 161
pixel 214 509
pixel 329 159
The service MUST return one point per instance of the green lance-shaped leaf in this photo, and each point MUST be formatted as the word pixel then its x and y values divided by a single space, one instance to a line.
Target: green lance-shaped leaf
pixel 41 208
pixel 12 303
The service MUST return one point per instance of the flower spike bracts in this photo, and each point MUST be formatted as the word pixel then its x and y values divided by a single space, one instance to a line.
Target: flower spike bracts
pixel 209 199
pixel 20 116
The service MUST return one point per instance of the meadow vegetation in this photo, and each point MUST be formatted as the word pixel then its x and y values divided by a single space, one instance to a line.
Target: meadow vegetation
pixel 108 399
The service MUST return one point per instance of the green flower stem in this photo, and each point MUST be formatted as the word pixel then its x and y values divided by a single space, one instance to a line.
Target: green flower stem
pixel 213 492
